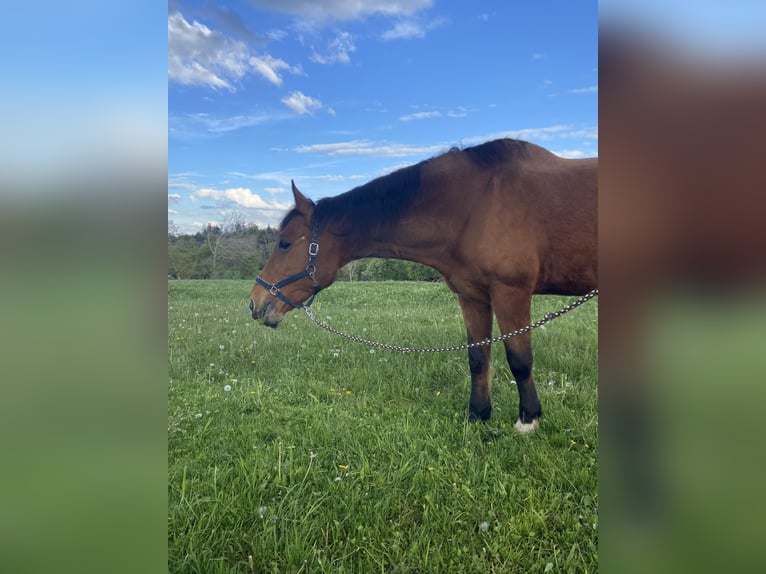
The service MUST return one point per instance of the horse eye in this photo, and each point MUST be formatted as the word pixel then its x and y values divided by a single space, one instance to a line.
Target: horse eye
pixel 284 244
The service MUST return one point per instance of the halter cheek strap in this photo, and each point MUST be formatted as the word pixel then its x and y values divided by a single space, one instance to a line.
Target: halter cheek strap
pixel 309 271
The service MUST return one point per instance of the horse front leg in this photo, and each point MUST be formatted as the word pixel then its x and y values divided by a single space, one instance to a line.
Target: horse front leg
pixel 478 324
pixel 512 309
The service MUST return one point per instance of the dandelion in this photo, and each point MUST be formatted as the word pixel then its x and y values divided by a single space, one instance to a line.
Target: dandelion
pixel 372 351
pixel 253 393
pixel 198 416
pixel 343 466
pixel 484 526
pixel 587 445
pixel 438 393
pixel 348 392
pixel 338 479
pixel 312 455
pixel 227 387
pixel 571 442
pixel 430 469
pixel 221 347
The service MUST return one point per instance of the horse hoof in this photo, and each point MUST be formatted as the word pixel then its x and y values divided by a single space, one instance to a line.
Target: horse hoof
pixel 480 416
pixel 526 427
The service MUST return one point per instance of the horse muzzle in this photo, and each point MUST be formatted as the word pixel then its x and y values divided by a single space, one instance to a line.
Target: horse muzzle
pixel 268 312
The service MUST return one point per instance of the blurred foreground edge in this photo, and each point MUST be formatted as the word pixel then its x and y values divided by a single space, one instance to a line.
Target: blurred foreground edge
pixel 682 239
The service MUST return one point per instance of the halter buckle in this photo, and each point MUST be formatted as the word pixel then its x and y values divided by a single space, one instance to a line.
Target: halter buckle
pixel 274 290
pixel 313 248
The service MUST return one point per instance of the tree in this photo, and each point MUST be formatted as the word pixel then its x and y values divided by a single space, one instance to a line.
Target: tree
pixel 217 237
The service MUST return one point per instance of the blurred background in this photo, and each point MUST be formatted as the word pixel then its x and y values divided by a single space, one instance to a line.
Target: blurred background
pixel 83 179
pixel 83 182
pixel 682 198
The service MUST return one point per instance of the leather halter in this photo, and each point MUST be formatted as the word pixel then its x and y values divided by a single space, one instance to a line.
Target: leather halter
pixel 309 271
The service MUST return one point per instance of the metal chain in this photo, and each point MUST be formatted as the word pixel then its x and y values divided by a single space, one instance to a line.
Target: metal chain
pixel 547 318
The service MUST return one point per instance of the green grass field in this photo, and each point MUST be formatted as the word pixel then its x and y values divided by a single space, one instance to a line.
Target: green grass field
pixel 292 450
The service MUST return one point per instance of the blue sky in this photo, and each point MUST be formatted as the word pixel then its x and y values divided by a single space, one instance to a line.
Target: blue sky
pixel 335 93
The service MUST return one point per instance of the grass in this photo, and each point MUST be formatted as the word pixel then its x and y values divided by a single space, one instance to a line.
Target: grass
pixel 292 450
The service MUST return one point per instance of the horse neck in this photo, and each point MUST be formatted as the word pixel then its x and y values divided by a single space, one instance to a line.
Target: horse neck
pixel 420 235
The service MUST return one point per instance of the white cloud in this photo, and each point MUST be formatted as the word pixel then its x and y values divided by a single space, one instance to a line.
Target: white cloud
pixel 588 90
pixel 388 149
pixel 301 103
pixel 410 29
pixel 342 9
pixel 421 116
pixel 404 29
pixel 241 196
pixel 538 134
pixel 269 67
pixel 337 51
pixel 174 197
pixel 571 153
pixel 198 125
pixel 200 56
pixel 367 148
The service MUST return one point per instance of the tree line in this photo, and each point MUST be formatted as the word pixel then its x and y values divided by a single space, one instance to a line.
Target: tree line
pixel 237 250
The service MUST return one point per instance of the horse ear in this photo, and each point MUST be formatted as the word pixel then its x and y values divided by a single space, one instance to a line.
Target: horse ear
pixel 302 203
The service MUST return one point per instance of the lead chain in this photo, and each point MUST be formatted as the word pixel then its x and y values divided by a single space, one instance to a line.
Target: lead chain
pixel 546 319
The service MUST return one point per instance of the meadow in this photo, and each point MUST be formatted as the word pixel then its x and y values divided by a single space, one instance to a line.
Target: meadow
pixel 292 450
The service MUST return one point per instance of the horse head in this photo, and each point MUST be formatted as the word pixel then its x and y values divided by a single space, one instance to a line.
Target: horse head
pixel 296 270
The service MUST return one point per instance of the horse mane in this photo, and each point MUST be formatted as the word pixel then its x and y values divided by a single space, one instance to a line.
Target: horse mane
pixel 374 205
pixel 379 203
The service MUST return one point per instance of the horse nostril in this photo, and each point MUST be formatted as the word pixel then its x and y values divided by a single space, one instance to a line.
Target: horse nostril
pixel 252 306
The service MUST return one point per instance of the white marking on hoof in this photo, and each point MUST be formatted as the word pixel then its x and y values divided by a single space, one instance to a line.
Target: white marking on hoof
pixel 526 427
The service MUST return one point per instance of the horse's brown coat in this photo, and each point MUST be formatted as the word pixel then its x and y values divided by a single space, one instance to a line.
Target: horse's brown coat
pixel 500 221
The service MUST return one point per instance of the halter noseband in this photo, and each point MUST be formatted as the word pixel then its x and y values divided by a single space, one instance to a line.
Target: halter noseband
pixel 309 271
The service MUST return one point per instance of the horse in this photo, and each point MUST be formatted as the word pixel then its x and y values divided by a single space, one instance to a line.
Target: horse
pixel 499 221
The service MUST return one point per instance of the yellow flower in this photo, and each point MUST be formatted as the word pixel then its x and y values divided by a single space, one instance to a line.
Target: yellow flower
pixel 343 467
pixel 587 445
pixel 348 392
pixel 430 469
pixel 571 442
pixel 438 393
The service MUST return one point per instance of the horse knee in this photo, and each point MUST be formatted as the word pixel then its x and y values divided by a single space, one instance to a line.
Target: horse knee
pixel 477 362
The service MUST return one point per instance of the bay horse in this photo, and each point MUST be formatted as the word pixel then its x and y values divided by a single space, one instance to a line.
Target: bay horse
pixel 500 221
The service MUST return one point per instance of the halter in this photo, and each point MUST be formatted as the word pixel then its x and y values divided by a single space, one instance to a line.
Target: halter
pixel 309 271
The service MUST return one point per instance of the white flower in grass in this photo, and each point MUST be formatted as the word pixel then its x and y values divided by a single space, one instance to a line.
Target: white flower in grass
pixel 484 526
pixel 372 351
pixel 261 511
pixel 227 387
pixel 221 347
pixel 198 416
